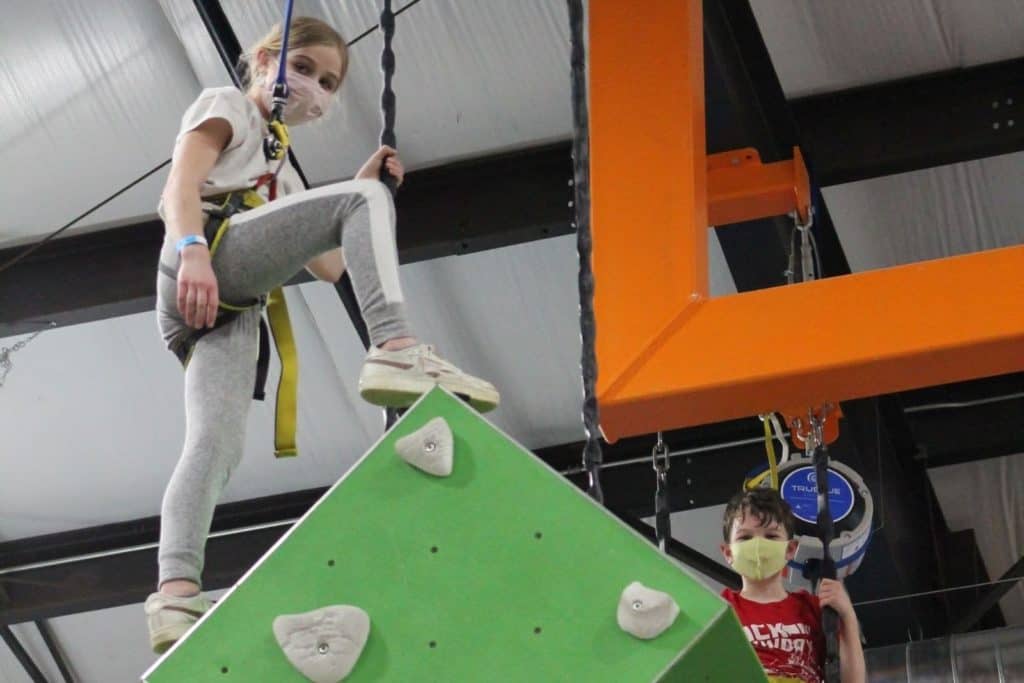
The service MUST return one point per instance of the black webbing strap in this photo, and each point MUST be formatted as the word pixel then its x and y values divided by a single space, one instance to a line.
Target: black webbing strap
pixel 592 455
pixel 827 569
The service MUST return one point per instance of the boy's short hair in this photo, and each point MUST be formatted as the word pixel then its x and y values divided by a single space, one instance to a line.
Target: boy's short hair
pixel 765 504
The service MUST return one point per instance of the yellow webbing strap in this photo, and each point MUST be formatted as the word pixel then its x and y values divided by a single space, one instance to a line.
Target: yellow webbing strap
pixel 284 340
pixel 287 385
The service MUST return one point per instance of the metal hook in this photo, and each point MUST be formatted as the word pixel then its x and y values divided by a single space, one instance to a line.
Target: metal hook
pixel 661 455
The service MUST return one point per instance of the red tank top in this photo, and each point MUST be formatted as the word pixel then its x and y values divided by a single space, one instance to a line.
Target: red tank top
pixel 786 635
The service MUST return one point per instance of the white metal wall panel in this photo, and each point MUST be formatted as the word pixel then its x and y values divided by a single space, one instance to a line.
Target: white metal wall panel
pixel 91 93
pixel 825 45
pixel 932 213
pixel 988 496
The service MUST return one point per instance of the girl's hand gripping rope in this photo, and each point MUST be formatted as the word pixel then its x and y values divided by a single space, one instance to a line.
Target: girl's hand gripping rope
pixel 387 156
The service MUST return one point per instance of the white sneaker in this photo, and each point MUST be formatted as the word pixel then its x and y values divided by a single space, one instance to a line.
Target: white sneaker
pixel 169 618
pixel 397 378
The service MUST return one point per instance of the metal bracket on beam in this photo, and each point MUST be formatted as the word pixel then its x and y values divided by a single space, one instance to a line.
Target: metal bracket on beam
pixel 742 188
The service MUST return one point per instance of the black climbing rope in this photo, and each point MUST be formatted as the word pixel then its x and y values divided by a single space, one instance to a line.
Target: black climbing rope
pixel 827 569
pixel 387 133
pixel 584 244
pixel 387 96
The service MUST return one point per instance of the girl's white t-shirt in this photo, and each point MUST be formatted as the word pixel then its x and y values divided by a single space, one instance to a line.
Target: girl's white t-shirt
pixel 242 162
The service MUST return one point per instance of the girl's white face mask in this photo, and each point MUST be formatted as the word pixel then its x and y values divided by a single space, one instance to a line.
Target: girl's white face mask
pixel 307 101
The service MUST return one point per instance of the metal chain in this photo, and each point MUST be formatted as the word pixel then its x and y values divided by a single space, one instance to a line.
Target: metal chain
pixel 6 364
pixel 662 509
pixel 592 455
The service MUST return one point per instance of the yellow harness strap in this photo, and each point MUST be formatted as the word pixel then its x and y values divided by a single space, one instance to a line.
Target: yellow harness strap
pixel 287 385
pixel 284 340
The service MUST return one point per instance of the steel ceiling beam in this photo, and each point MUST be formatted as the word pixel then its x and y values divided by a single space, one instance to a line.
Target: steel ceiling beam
pixel 913 123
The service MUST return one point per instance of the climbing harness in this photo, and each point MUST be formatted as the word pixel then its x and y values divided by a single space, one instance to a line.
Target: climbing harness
pixel 592 455
pixel 662 509
pixel 275 145
pixel 6 364
pixel 216 227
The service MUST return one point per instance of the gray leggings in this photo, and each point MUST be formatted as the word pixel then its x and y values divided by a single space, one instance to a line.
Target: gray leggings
pixel 262 249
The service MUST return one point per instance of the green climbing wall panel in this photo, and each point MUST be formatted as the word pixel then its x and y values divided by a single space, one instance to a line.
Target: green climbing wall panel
pixel 503 571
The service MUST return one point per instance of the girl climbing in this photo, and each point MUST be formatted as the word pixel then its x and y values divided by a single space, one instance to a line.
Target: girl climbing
pixel 210 287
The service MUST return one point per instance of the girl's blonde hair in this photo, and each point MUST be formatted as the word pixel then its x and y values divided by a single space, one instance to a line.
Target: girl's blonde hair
pixel 305 32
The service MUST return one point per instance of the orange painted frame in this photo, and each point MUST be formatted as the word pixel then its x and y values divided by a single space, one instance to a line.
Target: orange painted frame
pixel 668 355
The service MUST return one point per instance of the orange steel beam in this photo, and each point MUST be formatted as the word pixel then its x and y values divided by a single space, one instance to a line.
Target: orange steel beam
pixel 857 335
pixel 741 188
pixel 669 356
pixel 647 171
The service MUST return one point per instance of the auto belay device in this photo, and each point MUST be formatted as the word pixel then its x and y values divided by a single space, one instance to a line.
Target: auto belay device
pixel 852 512
pixel 850 505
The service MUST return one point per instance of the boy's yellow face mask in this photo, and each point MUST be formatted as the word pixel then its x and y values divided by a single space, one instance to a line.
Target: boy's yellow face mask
pixel 758 558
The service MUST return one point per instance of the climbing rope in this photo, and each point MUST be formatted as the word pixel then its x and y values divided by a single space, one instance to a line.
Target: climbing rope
pixel 818 450
pixel 275 145
pixel 592 456
pixel 387 95
pixel 387 133
pixel 662 510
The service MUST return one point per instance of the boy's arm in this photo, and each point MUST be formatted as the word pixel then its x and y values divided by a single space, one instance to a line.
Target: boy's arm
pixel 852 669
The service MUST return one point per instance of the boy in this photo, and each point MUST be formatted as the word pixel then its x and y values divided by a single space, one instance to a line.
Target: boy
pixel 784 628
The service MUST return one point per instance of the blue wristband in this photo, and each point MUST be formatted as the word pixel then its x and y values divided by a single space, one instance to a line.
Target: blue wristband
pixel 189 240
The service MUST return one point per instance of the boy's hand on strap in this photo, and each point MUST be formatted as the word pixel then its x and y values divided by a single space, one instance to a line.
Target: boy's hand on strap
pixel 198 297
pixel 832 593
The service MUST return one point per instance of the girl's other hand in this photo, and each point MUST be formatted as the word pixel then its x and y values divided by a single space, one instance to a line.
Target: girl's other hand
pixel 198 297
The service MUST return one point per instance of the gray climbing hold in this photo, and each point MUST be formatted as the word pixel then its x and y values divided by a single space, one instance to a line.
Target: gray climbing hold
pixel 430 448
pixel 325 644
pixel 644 612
